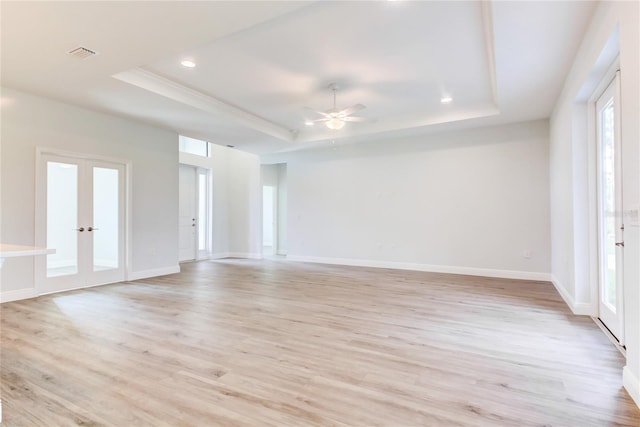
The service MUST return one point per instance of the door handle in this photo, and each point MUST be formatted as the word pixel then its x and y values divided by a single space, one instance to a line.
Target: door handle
pixel 620 244
pixel 92 229
pixel 81 229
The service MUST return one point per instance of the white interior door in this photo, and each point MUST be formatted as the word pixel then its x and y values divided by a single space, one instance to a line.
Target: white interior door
pixel 610 225
pixel 187 213
pixel 80 213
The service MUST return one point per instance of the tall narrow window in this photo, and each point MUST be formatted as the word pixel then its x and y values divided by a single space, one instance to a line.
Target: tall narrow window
pixel 203 204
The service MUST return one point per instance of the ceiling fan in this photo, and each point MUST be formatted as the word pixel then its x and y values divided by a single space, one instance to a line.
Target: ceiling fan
pixel 334 118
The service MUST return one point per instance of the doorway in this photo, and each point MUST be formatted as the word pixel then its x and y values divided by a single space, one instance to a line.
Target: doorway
pixel 187 213
pixel 80 212
pixel 269 226
pixel 609 205
pixel 193 216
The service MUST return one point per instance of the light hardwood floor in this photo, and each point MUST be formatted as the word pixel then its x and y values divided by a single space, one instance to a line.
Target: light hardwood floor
pixel 276 343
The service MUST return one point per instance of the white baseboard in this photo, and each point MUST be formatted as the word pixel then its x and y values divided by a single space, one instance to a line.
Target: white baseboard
pixel 247 255
pixel 18 294
pixel 467 271
pixel 583 309
pixel 145 274
pixel 631 384
pixel 219 255
pixel 244 255
pixel 578 308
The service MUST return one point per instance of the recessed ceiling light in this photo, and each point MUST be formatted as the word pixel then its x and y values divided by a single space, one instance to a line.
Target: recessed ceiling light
pixel 446 99
pixel 308 123
pixel 187 63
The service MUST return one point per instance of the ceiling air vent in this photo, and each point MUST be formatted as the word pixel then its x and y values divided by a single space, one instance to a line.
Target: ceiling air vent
pixel 82 53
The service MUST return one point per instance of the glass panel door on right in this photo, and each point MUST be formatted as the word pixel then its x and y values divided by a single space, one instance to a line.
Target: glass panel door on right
pixel 105 228
pixel 610 226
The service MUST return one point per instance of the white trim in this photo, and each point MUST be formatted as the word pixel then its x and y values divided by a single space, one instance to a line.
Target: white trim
pixel 610 336
pixel 219 255
pixel 582 309
pixel 18 294
pixel 604 79
pixel 631 383
pixel 128 221
pixel 170 89
pixel 125 167
pixel 145 274
pixel 468 271
pixel 578 308
pixel 245 255
pixel 489 43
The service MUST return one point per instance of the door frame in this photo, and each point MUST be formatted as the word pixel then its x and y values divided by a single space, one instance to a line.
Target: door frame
pixel 40 210
pixel 612 73
pixel 200 254
pixel 194 230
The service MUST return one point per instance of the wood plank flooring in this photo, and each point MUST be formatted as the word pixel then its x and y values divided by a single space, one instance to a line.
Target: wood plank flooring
pixel 277 343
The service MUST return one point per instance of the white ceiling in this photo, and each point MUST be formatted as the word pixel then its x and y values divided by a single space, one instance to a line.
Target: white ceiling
pixel 259 64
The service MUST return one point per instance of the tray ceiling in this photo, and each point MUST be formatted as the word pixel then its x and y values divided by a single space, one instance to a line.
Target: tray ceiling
pixel 259 64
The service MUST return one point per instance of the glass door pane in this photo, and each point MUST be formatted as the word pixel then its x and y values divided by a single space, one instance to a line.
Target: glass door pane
pixel 610 226
pixel 608 206
pixel 105 224
pixel 62 218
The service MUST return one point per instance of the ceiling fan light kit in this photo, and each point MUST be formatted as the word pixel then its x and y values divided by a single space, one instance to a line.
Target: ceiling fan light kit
pixel 335 123
pixel 335 119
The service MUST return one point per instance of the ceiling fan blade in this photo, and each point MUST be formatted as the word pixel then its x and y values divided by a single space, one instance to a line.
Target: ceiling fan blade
pixel 325 119
pixel 350 110
pixel 354 119
pixel 322 113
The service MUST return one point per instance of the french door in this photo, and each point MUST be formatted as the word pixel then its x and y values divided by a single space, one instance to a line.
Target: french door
pixel 610 225
pixel 80 214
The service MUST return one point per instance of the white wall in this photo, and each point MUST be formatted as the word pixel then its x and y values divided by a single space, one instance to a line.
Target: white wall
pixel 236 205
pixel 570 217
pixel 474 201
pixel 29 121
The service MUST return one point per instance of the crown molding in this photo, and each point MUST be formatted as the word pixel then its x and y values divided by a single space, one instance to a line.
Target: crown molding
pixel 170 89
